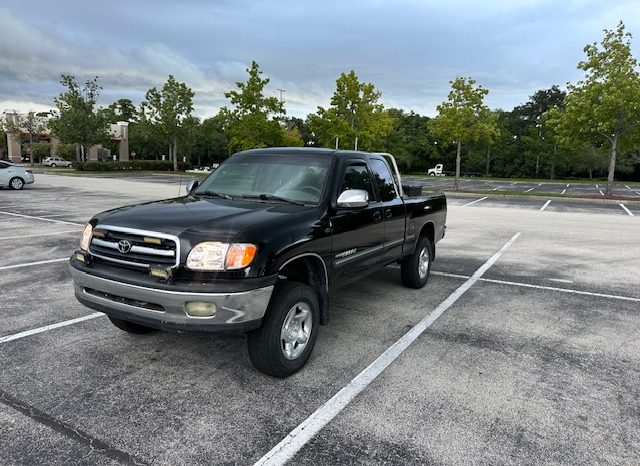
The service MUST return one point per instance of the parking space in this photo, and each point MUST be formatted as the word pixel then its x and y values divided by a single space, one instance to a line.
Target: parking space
pixel 536 360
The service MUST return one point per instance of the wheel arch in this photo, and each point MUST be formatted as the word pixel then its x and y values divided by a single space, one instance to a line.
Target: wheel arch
pixel 310 269
pixel 428 231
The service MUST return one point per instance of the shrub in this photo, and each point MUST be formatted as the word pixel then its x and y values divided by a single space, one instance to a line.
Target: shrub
pixel 129 165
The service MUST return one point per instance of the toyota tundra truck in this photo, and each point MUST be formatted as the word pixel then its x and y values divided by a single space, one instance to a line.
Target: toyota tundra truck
pixel 257 247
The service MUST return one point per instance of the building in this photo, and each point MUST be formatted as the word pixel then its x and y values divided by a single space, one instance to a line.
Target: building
pixel 15 151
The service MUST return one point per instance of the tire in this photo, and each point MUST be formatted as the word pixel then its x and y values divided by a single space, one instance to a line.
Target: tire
pixel 415 272
pixel 53 165
pixel 130 327
pixel 432 174
pixel 267 345
pixel 16 183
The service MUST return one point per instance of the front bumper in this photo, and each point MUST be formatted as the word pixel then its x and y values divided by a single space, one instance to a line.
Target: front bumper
pixel 165 309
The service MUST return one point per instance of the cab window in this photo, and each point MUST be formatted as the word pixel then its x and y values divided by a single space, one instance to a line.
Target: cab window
pixel 384 180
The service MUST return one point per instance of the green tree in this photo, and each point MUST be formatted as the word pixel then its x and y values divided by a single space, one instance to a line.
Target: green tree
pixel 253 119
pixel 78 120
pixel 604 107
pixel 163 112
pixel 24 128
pixel 537 137
pixel 215 140
pixel 354 113
pixel 464 118
pixel 122 110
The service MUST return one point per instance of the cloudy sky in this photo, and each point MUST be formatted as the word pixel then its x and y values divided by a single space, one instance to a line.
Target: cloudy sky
pixel 410 49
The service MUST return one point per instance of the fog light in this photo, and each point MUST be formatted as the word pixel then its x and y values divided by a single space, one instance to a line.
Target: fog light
pixel 80 257
pixel 199 309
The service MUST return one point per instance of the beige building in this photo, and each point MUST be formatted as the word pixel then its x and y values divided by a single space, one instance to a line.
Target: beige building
pixel 118 131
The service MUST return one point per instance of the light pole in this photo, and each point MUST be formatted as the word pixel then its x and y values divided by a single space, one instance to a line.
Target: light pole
pixel 281 102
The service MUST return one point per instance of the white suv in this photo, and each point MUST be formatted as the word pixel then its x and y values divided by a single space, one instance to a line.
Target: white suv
pixel 56 162
pixel 14 176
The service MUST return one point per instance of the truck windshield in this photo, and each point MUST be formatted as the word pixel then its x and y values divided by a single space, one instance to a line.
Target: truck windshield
pixel 265 177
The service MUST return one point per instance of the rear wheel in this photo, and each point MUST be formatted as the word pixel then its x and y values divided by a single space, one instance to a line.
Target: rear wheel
pixel 53 165
pixel 16 183
pixel 283 344
pixel 416 268
pixel 130 326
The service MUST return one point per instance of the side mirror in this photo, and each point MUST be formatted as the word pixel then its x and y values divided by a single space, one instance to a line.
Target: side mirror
pixel 353 198
pixel 191 185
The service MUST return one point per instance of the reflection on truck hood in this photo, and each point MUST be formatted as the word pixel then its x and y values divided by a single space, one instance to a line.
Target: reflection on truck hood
pixel 199 216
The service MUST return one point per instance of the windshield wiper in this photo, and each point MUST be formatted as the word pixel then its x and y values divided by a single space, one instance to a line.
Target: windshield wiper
pixel 214 194
pixel 272 197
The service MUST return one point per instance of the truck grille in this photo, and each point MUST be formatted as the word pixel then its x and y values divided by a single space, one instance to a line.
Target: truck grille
pixel 134 248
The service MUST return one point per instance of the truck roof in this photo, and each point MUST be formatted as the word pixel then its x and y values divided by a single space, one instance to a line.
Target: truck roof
pixel 312 151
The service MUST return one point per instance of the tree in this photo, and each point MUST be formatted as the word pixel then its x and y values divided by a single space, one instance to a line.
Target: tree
pixel 122 110
pixel 253 119
pixel 604 108
pixel 24 128
pixel 537 137
pixel 77 120
pixel 354 113
pixel 464 118
pixel 164 110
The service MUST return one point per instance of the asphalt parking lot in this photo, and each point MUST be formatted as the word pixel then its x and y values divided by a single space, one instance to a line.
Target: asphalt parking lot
pixel 529 354
pixel 595 189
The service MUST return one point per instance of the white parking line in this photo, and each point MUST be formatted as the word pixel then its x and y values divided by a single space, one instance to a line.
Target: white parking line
pixel 298 437
pixel 541 287
pixel 597 186
pixel 530 189
pixel 625 209
pixel 46 328
pixel 539 184
pixel 627 186
pixel 51 233
pixel 495 189
pixel 28 264
pixel 563 191
pixel 567 185
pixel 560 280
pixel 601 193
pixel 546 204
pixel 473 202
pixel 41 218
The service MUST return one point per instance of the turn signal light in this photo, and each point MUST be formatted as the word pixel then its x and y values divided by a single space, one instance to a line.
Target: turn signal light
pixel 240 255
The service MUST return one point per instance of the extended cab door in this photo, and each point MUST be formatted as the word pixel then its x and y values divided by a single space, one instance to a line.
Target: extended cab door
pixel 392 207
pixel 358 232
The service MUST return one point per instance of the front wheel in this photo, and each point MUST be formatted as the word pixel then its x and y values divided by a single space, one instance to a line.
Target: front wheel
pixel 130 327
pixel 283 344
pixel 416 268
pixel 16 183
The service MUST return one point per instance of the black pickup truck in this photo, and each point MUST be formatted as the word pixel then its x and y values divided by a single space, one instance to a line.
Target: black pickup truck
pixel 256 247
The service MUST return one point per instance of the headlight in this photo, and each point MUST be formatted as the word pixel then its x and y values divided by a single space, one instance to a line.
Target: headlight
pixel 212 255
pixel 86 237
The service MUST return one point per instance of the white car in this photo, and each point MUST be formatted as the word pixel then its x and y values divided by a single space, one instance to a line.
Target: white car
pixel 14 176
pixel 56 162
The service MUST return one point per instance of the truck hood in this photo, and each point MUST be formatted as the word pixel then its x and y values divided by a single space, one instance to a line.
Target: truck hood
pixel 199 217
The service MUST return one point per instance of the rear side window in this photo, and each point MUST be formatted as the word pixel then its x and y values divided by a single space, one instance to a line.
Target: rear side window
pixel 3 165
pixel 384 180
pixel 357 177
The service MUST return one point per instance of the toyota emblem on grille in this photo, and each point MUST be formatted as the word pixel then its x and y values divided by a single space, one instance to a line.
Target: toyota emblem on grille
pixel 124 246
